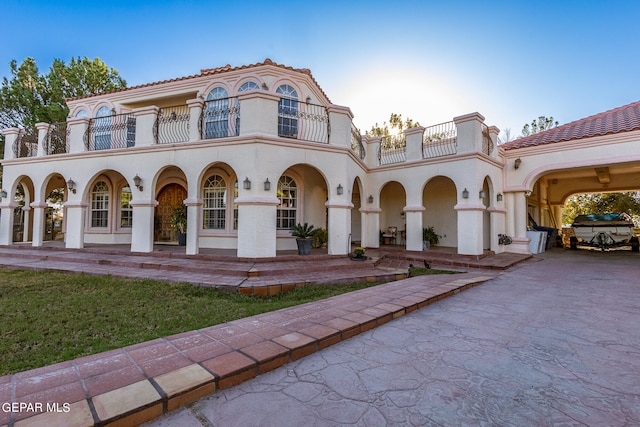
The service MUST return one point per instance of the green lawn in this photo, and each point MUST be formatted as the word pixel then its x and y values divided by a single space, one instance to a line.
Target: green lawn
pixel 52 317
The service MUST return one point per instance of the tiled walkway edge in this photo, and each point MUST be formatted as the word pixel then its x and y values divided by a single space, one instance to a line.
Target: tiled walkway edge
pixel 138 383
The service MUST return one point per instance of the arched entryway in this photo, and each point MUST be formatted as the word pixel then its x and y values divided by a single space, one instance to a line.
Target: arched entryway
pixel 169 197
pixel 439 198
pixel 356 217
pixel 393 199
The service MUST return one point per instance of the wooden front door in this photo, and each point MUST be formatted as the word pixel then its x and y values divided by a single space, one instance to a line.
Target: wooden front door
pixel 170 196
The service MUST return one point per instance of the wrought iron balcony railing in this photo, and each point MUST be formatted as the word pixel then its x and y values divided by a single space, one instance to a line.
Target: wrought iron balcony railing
pixel 117 131
pixel 487 142
pixel 172 125
pixel 393 149
pixel 356 142
pixel 303 121
pixel 440 140
pixel 57 139
pixel 26 145
pixel 220 118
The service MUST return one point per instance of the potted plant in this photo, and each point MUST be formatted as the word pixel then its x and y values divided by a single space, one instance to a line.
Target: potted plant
pixel 179 222
pixel 304 237
pixel 429 237
pixel 358 253
pixel 320 238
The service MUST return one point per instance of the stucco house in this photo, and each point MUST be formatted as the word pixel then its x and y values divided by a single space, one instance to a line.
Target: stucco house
pixel 253 150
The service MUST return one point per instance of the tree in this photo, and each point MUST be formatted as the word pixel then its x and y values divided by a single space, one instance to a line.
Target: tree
pixel 392 136
pixel 30 97
pixel 601 203
pixel 507 136
pixel 541 124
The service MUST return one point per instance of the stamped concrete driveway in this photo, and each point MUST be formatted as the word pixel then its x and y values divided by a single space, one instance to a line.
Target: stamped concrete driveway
pixel 554 341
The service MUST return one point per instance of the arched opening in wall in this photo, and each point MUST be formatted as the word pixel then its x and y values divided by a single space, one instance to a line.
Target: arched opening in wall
pixel 219 212
pixel 439 198
pixel 302 194
pixel 485 199
pixel 22 218
pixel 55 196
pixel 393 199
pixel 356 216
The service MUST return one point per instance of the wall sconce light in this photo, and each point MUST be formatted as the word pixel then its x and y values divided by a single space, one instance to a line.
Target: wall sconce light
pixel 370 199
pixel 264 86
pixel 517 163
pixel 137 182
pixel 71 185
pixel 308 99
pixel 246 184
pixel 499 197
pixel 465 193
pixel 3 194
pixel 267 185
pixel 482 194
pixel 527 193
pixel 339 190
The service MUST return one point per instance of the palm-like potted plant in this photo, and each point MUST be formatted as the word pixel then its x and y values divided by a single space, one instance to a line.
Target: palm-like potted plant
pixel 179 222
pixel 304 237
pixel 429 237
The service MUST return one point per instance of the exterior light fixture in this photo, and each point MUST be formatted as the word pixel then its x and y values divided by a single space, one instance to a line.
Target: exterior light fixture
pixel 137 181
pixel 499 197
pixel 527 193
pixel 264 86
pixel 517 163
pixel 308 99
pixel 483 194
pixel 370 199
pixel 71 185
pixel 339 190
pixel 246 184
pixel 267 185
pixel 465 193
pixel 3 194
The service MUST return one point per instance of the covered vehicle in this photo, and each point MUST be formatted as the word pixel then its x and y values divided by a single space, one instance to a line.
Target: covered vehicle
pixel 604 231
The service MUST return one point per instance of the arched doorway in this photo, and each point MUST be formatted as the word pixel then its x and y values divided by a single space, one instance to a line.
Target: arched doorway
pixel 170 196
pixel 439 198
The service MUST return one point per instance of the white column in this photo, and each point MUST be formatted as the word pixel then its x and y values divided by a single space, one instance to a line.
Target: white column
pixel 38 223
pixel 520 241
pixel 142 227
pixel 259 113
pixel 145 121
pixel 469 129
pixel 6 221
pixel 370 226
pixel 470 227
pixel 74 219
pixel 25 222
pixel 194 209
pixel 497 220
pixel 78 127
pixel 372 150
pixel 43 130
pixel 414 143
pixel 195 111
pixel 339 226
pixel 340 121
pixel 413 232
pixel 10 136
pixel 257 226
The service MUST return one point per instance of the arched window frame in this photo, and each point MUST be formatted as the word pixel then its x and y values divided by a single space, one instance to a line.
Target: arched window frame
pixel 99 208
pixel 290 197
pixel 102 125
pixel 82 113
pixel 287 111
pixel 215 194
pixel 248 85
pixel 216 114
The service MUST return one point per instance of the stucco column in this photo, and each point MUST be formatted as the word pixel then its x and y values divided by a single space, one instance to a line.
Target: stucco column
pixel 339 226
pixel 497 220
pixel 142 227
pixel 195 111
pixel 6 221
pixel 469 129
pixel 259 113
pixel 38 223
pixel 43 129
pixel 517 215
pixel 370 226
pixel 194 209
pixel 74 218
pixel 373 149
pixel 10 136
pixel 470 227
pixel 145 121
pixel 257 226
pixel 26 213
pixel 413 215
pixel 77 128
pixel 340 119
pixel 414 143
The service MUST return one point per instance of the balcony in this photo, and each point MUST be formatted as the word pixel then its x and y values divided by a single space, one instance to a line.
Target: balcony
pixel 116 131
pixel 26 144
pixel 439 140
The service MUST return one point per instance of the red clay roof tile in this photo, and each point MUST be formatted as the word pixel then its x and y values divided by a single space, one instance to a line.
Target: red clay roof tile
pixel 621 119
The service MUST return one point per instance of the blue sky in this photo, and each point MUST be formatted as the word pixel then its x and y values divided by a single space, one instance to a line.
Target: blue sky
pixel 428 60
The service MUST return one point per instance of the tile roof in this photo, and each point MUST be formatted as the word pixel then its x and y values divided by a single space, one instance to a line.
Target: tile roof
pixel 621 119
pixel 212 71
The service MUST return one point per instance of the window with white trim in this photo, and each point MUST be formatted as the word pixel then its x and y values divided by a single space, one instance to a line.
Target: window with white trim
pixel 126 211
pixel 287 111
pixel 102 127
pixel 216 114
pixel 287 212
pixel 215 203
pixel 250 85
pixel 100 205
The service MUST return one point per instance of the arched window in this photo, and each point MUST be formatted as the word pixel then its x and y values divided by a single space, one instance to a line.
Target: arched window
pixel 287 213
pixel 216 114
pixel 126 211
pixel 288 111
pixel 250 85
pixel 102 126
pixel 100 205
pixel 82 113
pixel 215 203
